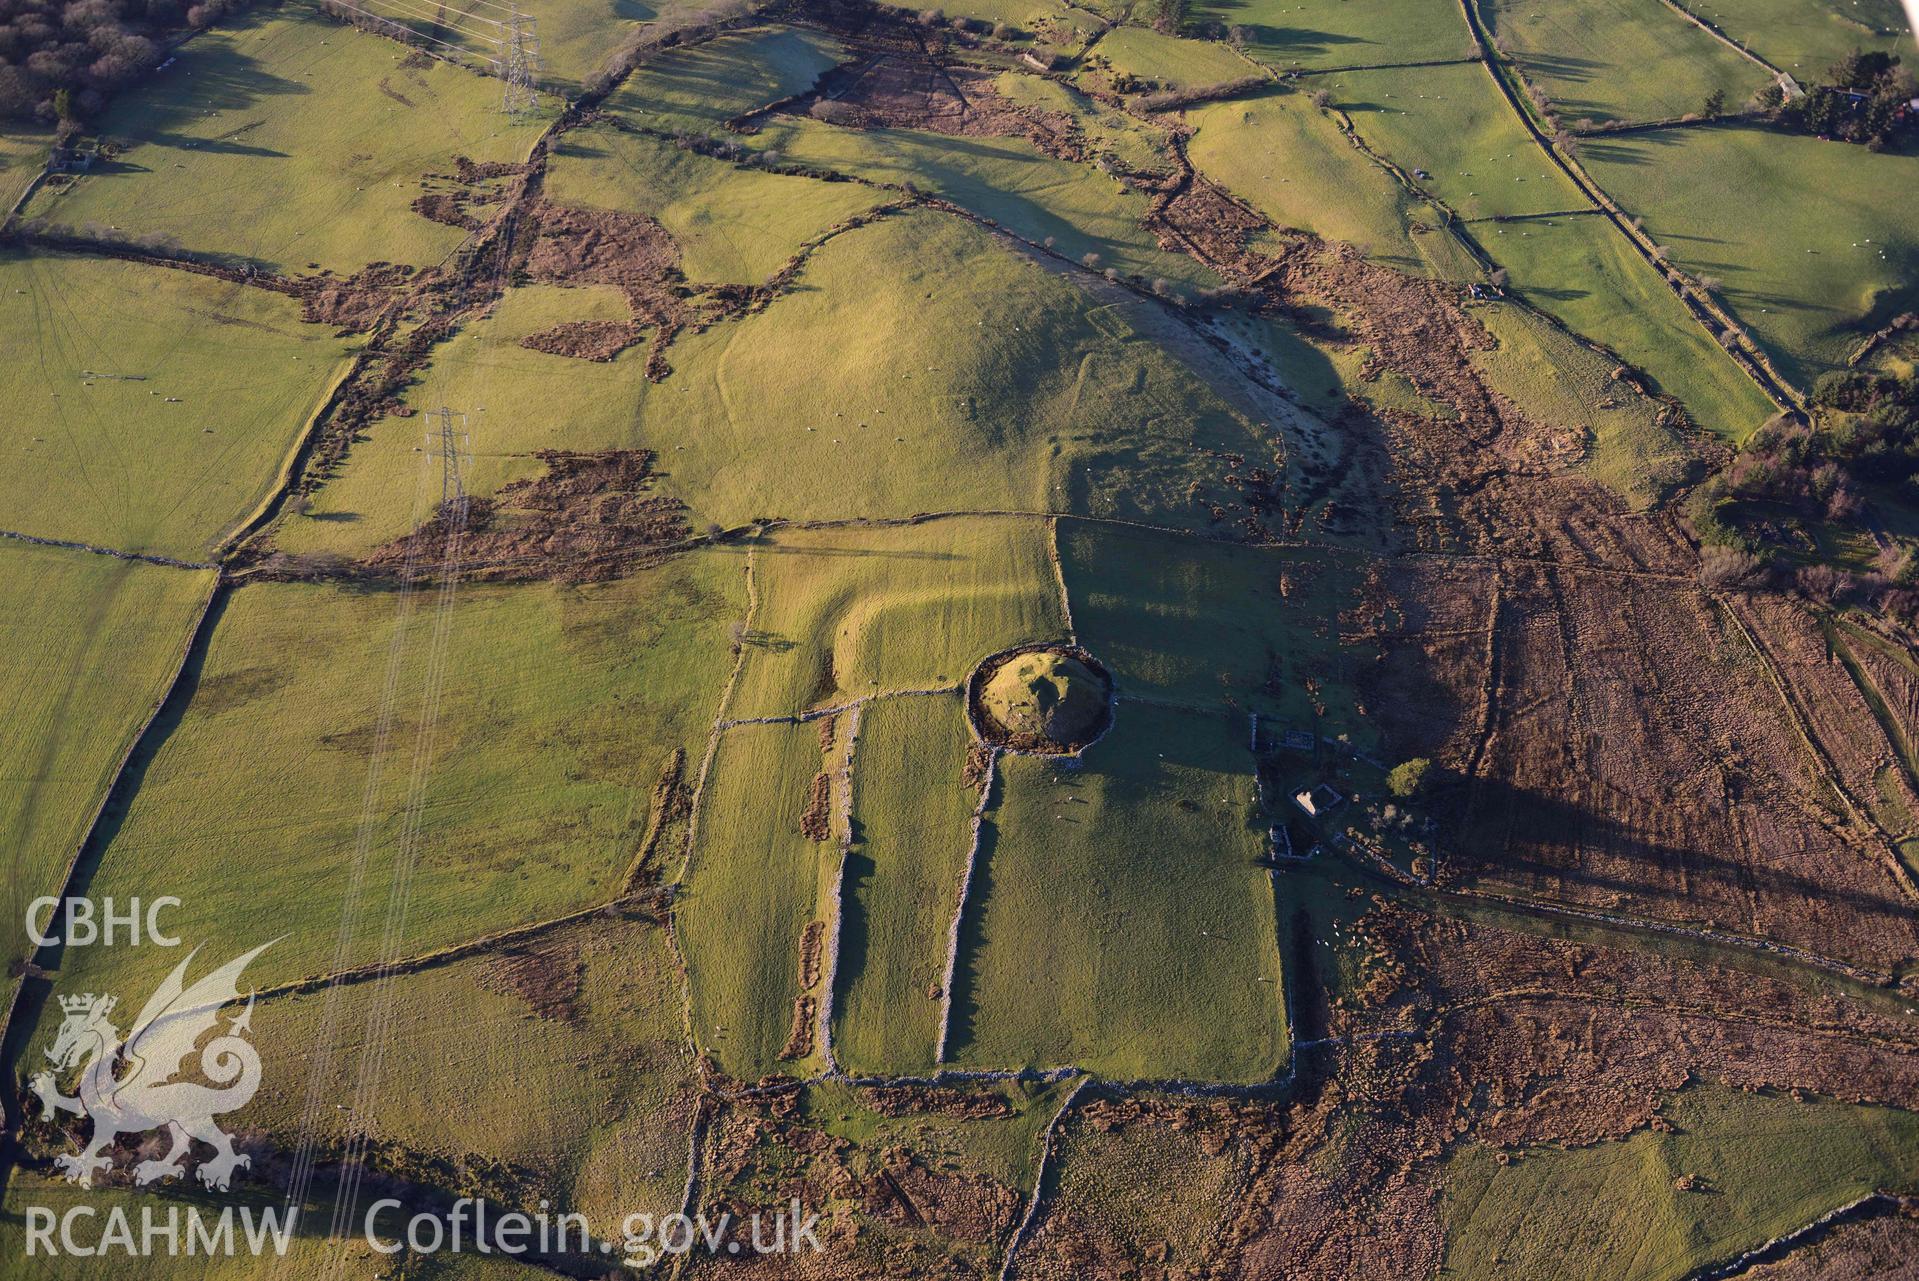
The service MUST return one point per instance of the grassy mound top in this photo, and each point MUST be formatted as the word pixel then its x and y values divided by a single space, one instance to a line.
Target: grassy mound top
pixel 1045 694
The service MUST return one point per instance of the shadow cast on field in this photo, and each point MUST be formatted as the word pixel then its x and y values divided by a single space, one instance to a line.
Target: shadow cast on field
pixel 1301 41
pixel 34 991
pixel 1562 66
pixel 837 553
pixel 570 147
pixel 1294 40
pixel 856 929
pixel 1133 774
pixel 963 1022
pixel 1631 149
pixel 1516 831
pixel 217 146
pixel 208 84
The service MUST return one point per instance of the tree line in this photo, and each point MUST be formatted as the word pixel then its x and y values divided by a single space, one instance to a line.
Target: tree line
pixel 61 59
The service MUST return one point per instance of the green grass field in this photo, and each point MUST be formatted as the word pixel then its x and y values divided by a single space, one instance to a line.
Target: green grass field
pixel 701 87
pixel 1452 123
pixel 1213 625
pixel 1804 37
pixel 751 886
pixel 558 711
pixel 1582 271
pixel 851 389
pixel 1006 180
pixel 100 351
pixel 846 613
pixel 1172 63
pixel 516 400
pixel 91 642
pixel 481 1066
pixel 284 139
pixel 1288 159
pixel 1768 1165
pixel 864 396
pixel 912 816
pixel 1120 921
pixel 733 224
pixel 577 38
pixel 22 154
pixel 1562 384
pixel 1814 242
pixel 1344 33
pixel 1626 60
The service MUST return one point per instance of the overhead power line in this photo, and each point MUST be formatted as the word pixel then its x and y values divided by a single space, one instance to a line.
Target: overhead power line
pixel 417 35
pixel 414 13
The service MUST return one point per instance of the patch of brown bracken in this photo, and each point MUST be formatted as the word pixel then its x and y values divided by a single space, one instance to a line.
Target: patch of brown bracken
pixel 592 516
pixel 599 340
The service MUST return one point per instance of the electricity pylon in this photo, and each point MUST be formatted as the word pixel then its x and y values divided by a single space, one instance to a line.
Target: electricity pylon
pixel 520 62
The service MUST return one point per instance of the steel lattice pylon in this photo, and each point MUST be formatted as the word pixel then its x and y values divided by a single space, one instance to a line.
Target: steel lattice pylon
pixel 454 452
pixel 520 63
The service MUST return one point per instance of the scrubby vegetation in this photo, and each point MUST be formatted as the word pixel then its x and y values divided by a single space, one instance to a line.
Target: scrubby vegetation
pixel 1791 477
pixel 1866 98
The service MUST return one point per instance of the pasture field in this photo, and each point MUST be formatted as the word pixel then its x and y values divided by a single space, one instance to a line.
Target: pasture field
pixel 1008 181
pixel 733 225
pixel 91 641
pixel 851 386
pixel 860 394
pixel 481 1066
pixel 516 401
pixel 558 710
pixel 149 410
pixel 1120 921
pixel 1624 60
pixel 1169 62
pixel 1804 37
pixel 850 612
pixel 1766 1165
pixel 22 154
pixel 285 140
pixel 1318 34
pixel 753 882
pixel 912 813
pixel 1583 272
pixel 1452 124
pixel 1289 160
pixel 1813 242
pixel 578 38
pixel 1214 625
pixel 700 88
pixel 1629 446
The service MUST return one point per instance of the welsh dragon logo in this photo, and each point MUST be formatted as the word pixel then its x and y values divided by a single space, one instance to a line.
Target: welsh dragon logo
pixel 129 1087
